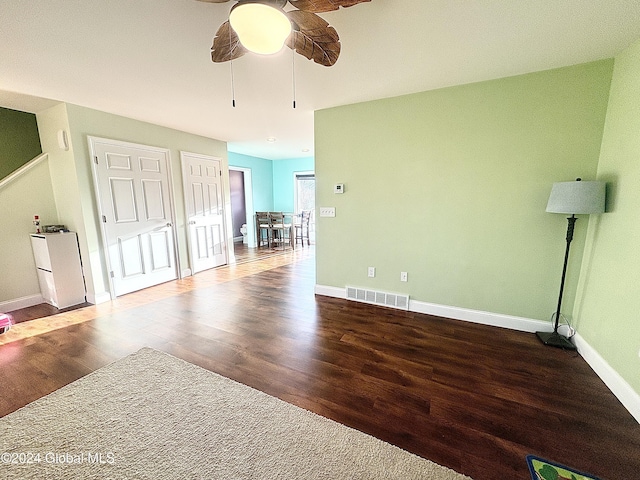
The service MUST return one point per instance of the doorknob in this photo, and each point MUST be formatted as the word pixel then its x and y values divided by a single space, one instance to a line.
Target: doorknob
pixel 169 224
pixel 192 222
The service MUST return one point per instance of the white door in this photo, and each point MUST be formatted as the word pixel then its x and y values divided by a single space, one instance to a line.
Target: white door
pixel 203 199
pixel 134 196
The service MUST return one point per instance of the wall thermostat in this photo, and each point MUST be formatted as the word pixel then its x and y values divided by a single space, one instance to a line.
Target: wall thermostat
pixel 338 188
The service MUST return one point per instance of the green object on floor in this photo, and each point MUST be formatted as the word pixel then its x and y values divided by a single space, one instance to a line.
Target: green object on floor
pixel 542 469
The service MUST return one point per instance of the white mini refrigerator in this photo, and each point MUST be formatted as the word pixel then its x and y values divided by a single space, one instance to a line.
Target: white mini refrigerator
pixel 59 268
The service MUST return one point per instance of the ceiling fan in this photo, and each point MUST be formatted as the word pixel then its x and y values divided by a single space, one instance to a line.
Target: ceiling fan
pixel 301 30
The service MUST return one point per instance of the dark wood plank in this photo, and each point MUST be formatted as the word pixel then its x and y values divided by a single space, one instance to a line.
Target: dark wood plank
pixel 39 311
pixel 475 398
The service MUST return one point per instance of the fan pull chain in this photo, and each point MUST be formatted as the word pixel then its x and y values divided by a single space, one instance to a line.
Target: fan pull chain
pixel 293 75
pixel 233 88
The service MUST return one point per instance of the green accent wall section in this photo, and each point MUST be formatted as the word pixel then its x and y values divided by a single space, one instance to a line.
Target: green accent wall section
pixel 608 309
pixel 19 140
pixel 283 181
pixel 451 186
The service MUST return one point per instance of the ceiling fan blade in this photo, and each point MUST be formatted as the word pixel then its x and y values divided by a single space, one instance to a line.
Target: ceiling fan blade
pixel 319 6
pixel 314 38
pixel 226 45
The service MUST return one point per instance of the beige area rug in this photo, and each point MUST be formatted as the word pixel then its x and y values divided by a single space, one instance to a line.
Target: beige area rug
pixel 153 416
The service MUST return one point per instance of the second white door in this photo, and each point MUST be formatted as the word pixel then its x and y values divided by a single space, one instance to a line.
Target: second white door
pixel 202 177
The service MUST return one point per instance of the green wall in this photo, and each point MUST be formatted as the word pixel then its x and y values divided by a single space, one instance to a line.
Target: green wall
pixel 451 186
pixel 19 140
pixel 609 302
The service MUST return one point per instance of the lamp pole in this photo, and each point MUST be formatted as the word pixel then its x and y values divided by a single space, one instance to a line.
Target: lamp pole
pixel 555 339
pixel 571 198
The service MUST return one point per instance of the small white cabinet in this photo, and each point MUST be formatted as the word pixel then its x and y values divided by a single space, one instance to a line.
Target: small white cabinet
pixel 59 269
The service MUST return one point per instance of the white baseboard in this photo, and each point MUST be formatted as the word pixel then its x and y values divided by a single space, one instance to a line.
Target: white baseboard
pixel 612 379
pixel 185 273
pixel 476 316
pixel 334 292
pixel 22 302
pixel 95 299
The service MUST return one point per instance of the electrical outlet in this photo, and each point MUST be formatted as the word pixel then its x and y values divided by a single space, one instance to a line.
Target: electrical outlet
pixel 403 276
pixel 371 272
pixel 327 211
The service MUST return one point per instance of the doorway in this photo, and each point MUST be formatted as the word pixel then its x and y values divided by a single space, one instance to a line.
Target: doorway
pixel 238 205
pixel 304 191
pixel 244 195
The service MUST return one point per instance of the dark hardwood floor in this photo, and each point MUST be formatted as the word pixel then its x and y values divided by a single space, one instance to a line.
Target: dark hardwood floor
pixel 477 399
pixel 39 311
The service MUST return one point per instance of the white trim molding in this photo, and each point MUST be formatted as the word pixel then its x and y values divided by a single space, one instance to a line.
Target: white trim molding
pixel 23 169
pixel 612 379
pixel 327 291
pixel 95 299
pixel 629 398
pixel 22 302
pixel 476 316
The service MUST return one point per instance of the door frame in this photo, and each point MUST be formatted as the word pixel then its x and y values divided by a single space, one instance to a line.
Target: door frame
pixel 225 229
pixel 93 141
pixel 312 226
pixel 248 204
pixel 295 186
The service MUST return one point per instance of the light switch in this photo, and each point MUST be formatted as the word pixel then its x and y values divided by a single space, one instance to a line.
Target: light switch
pixel 327 211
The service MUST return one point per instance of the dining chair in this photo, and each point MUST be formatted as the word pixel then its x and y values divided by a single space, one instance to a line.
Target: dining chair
pixel 263 229
pixel 302 227
pixel 281 229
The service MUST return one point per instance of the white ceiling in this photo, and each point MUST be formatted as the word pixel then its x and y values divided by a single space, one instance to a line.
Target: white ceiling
pixel 150 59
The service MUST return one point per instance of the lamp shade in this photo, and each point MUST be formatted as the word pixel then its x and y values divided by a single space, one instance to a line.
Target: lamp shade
pixel 260 27
pixel 577 197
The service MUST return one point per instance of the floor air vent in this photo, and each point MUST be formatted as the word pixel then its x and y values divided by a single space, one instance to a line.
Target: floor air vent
pixel 385 299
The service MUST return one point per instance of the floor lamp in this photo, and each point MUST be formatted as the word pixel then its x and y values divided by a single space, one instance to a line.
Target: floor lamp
pixel 572 198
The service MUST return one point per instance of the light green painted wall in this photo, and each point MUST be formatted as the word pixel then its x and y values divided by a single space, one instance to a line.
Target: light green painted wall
pixel 21 198
pixel 19 141
pixel 451 186
pixel 25 196
pixel 83 122
pixel 609 308
pixel 64 178
pixel 283 181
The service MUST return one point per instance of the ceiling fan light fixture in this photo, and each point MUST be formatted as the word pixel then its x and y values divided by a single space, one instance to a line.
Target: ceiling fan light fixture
pixel 261 28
